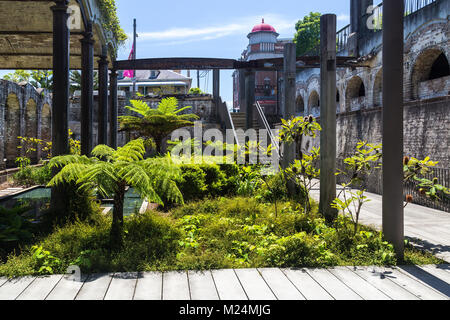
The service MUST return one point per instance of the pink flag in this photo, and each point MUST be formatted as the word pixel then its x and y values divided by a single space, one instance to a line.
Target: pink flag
pixel 129 73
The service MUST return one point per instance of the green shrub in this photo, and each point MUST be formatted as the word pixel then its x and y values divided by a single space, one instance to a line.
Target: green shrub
pixel 31 176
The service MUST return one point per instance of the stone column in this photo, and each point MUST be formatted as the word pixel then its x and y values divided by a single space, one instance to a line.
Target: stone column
pixel 113 109
pixel 60 101
pixel 87 91
pixel 393 215
pixel 328 115
pixel 103 98
pixel 249 97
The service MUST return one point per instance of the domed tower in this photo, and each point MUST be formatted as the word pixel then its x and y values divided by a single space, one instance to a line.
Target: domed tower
pixel 262 42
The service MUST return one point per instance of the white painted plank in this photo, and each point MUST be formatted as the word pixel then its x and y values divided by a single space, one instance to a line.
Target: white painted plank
pixel 411 284
pixel 66 289
pixel 175 286
pixel 228 285
pixel 364 289
pixel 309 288
pixel 445 267
pixel 13 287
pixel 380 281
pixel 337 289
pixel 3 280
pixel 95 287
pixel 280 284
pixel 40 288
pixel 122 286
pixel 437 272
pixel 202 286
pixel 149 286
pixel 254 285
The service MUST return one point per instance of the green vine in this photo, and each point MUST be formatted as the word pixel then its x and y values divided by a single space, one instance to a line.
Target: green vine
pixel 111 21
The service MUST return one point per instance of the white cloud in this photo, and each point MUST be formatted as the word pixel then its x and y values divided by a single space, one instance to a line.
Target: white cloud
pixel 242 26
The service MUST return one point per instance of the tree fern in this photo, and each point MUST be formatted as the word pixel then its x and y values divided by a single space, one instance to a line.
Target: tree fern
pixel 156 123
pixel 110 171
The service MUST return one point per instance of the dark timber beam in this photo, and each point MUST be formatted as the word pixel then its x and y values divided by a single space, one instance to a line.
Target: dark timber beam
pixel 393 215
pixel 103 98
pixel 60 98
pixel 87 92
pixel 216 88
pixel 242 103
pixel 328 116
pixel 289 99
pixel 114 109
pixel 249 98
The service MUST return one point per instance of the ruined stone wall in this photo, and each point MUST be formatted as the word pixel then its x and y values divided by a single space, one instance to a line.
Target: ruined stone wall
pixel 23 112
pixel 359 93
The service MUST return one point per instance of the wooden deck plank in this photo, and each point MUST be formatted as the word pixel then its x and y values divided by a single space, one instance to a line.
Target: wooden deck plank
pixel 254 285
pixel 66 289
pixel 40 288
pixel 383 283
pixel 175 286
pixel 95 287
pixel 228 285
pixel 427 277
pixel 363 288
pixel 411 284
pixel 201 285
pixel 3 280
pixel 149 286
pixel 309 288
pixel 14 287
pixel 280 284
pixel 122 286
pixel 437 272
pixel 337 289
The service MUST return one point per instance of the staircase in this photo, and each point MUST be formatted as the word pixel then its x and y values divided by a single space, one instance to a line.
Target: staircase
pixel 239 121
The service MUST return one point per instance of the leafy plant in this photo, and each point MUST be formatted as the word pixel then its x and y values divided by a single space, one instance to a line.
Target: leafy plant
pixel 45 262
pixel 13 226
pixel 110 171
pixel 357 167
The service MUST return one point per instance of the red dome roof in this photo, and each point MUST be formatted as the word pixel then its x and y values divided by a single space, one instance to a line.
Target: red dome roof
pixel 263 27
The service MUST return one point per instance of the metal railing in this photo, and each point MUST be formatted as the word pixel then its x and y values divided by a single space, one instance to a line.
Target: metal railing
pixel 226 119
pixel 264 121
pixel 342 38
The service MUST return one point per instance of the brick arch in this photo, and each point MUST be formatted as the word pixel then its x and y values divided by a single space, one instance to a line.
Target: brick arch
pixel 46 123
pixel 378 89
pixel 422 67
pixel 300 105
pixel 355 93
pixel 12 128
pixel 31 123
pixel 314 103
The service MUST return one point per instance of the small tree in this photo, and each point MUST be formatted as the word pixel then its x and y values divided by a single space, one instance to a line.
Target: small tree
pixel 357 168
pixel 307 36
pixel 110 171
pixel 157 123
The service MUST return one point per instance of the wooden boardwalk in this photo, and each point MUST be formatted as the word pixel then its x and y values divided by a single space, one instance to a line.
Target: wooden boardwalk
pixel 341 283
pixel 427 228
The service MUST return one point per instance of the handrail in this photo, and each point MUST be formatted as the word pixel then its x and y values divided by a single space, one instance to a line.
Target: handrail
pixel 226 119
pixel 267 127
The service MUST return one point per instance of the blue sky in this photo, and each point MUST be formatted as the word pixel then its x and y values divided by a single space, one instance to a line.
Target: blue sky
pixel 214 29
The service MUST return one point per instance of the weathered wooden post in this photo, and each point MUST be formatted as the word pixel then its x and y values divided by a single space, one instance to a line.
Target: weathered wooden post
pixel 393 215
pixel 290 63
pixel 113 103
pixel 216 90
pixel 87 91
pixel 103 98
pixel 249 97
pixel 328 115
pixel 60 100
pixel 242 101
